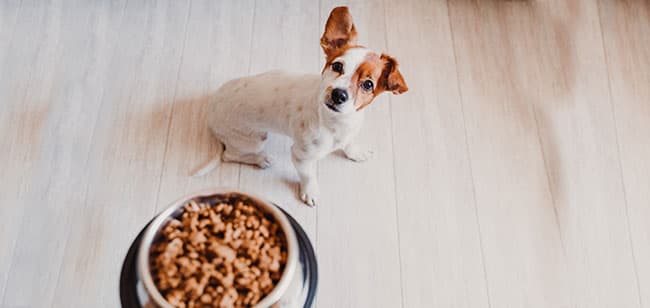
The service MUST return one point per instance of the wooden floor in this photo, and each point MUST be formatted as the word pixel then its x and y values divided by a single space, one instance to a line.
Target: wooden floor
pixel 514 173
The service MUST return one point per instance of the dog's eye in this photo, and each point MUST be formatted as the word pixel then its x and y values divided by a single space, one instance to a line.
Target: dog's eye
pixel 367 85
pixel 337 67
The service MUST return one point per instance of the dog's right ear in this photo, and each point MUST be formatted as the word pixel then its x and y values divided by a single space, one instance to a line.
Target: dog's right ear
pixel 339 31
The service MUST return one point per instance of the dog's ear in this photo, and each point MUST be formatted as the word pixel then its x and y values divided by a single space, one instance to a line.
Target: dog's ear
pixel 391 78
pixel 339 31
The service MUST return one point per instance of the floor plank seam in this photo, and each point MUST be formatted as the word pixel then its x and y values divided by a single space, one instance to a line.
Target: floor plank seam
pixel 469 157
pixel 395 202
pixel 170 116
pixel 549 183
pixel 618 154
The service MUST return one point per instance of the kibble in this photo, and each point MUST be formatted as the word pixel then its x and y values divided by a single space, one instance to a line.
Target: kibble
pixel 228 255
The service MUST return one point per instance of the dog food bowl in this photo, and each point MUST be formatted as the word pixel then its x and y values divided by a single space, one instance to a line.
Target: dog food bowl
pixel 296 288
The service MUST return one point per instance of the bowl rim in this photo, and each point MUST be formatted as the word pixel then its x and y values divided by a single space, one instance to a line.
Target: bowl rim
pixel 142 262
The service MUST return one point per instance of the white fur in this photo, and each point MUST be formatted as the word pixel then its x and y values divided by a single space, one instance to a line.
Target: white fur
pixel 245 110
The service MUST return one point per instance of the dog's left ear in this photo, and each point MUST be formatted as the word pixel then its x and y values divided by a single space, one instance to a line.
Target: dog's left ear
pixel 339 31
pixel 391 78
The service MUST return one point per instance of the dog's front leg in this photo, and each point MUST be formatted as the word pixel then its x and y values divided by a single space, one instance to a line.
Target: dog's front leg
pixel 306 167
pixel 358 153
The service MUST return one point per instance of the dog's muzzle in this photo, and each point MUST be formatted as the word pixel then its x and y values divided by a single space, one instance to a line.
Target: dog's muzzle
pixel 336 98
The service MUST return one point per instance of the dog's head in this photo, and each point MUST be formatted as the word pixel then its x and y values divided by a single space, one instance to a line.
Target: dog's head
pixel 354 75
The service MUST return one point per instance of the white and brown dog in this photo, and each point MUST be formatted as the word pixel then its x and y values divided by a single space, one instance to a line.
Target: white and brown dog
pixel 322 113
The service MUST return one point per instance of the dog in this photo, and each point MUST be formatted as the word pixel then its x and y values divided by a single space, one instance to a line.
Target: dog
pixel 321 113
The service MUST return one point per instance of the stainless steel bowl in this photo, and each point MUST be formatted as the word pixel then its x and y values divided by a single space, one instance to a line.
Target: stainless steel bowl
pixel 295 288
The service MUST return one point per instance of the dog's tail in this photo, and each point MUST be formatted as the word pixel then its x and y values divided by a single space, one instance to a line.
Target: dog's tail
pixel 210 165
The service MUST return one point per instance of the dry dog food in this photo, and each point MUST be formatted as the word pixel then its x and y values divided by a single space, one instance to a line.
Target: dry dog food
pixel 224 255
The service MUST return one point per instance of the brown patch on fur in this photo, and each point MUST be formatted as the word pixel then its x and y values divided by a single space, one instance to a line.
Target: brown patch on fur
pixel 391 78
pixel 330 57
pixel 299 109
pixel 340 35
pixel 383 72
pixel 370 69
pixel 340 31
pixel 302 124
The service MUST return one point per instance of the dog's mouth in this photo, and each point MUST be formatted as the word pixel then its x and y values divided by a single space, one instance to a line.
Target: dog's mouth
pixel 332 107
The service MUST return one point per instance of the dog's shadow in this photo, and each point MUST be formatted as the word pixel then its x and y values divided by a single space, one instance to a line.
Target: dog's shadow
pixel 181 127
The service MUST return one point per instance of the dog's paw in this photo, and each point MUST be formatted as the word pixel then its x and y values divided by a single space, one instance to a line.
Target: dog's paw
pixel 358 153
pixel 264 161
pixel 309 194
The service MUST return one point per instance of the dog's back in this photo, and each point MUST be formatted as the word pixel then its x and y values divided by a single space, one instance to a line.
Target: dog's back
pixel 267 102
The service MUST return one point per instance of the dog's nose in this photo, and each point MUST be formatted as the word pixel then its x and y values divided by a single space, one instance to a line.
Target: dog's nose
pixel 339 96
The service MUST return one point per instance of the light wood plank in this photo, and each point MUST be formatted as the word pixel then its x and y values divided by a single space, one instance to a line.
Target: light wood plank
pixel 357 227
pixel 22 117
pixel 442 264
pixel 496 59
pixel 579 141
pixel 125 161
pixel 626 33
pixel 559 45
pixel 290 45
